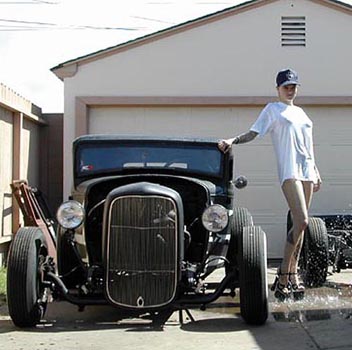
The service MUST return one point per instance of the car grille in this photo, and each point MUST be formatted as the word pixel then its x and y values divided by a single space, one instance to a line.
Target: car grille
pixel 142 251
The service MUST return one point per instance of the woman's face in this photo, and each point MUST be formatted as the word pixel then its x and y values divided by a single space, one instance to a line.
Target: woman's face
pixel 287 93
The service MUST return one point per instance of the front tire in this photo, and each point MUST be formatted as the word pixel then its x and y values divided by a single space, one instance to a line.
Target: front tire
pixel 241 217
pixel 253 276
pixel 24 279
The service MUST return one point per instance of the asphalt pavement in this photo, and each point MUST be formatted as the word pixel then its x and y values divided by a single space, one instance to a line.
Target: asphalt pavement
pixel 323 320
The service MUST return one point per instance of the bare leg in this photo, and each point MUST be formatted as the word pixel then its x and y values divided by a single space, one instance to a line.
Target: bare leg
pixel 308 192
pixel 298 196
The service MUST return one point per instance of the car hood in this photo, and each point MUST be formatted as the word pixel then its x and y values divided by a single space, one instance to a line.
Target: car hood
pixel 84 187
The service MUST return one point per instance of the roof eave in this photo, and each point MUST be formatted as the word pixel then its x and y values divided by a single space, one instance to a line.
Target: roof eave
pixel 65 70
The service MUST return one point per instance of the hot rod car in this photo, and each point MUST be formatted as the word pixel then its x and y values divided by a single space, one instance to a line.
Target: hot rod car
pixel 147 222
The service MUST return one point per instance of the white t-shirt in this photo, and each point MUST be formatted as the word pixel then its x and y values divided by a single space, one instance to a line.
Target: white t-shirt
pixel 291 133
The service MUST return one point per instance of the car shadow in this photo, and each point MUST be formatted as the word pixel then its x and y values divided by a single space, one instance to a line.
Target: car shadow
pixel 215 325
pixel 64 317
pixel 220 317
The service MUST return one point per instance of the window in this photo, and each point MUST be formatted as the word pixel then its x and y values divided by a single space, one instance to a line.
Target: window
pixel 119 156
pixel 293 31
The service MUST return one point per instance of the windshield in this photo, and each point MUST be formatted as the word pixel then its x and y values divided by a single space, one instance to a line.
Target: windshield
pixel 199 158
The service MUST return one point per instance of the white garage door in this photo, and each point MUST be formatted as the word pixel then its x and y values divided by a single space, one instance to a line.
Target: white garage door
pixel 333 145
pixel 170 121
pixel 263 197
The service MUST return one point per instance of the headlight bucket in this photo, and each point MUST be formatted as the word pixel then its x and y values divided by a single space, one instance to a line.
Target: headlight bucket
pixel 70 214
pixel 215 218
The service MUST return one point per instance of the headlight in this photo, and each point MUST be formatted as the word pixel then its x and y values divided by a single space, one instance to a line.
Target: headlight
pixel 215 218
pixel 70 214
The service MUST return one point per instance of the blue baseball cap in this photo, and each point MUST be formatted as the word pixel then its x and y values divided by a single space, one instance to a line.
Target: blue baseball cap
pixel 287 77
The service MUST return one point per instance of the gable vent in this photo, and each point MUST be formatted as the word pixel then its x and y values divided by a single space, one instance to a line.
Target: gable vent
pixel 293 31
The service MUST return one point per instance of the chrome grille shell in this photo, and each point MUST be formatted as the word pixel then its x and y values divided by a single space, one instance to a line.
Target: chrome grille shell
pixel 142 251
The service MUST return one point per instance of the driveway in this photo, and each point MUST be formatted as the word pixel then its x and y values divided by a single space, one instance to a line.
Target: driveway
pixel 323 320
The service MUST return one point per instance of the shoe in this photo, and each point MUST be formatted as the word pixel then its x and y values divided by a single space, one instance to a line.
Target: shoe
pixel 297 288
pixel 281 291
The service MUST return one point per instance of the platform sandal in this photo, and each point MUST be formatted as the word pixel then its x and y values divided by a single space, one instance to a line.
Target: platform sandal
pixel 281 291
pixel 297 288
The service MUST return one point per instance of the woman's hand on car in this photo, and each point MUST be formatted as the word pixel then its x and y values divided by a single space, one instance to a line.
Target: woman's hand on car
pixel 225 144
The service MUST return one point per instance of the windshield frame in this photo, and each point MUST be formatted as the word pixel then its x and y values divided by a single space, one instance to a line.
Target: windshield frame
pixel 153 144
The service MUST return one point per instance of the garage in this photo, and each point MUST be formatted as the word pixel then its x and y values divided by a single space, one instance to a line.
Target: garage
pixel 211 77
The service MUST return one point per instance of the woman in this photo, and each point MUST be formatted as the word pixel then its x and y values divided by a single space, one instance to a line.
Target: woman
pixel 291 133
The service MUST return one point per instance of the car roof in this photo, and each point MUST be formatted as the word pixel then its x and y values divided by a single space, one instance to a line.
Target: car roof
pixel 116 137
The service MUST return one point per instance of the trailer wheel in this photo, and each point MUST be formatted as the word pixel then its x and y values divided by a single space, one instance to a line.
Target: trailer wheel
pixel 314 257
pixel 25 290
pixel 253 276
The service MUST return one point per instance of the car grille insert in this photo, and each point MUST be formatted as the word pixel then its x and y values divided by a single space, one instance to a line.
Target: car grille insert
pixel 142 251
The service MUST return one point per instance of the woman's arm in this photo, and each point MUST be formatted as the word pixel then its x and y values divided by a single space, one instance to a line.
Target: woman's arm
pixel 225 145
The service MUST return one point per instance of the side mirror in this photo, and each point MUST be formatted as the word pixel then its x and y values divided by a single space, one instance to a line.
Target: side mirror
pixel 240 182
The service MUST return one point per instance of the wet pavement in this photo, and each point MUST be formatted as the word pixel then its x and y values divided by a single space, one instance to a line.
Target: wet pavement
pixel 323 320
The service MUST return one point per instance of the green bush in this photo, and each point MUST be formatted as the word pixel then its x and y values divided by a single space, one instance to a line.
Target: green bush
pixel 2 284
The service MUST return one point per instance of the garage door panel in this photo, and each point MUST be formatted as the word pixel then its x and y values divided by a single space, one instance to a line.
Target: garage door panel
pixel 258 157
pixel 269 210
pixel 192 121
pixel 162 120
pixel 107 120
pixel 330 123
pixel 333 198
pixel 334 159
pixel 212 121
pixel 262 196
pixel 275 231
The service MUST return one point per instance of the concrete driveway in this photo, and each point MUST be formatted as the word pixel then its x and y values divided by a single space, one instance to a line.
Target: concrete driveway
pixel 323 320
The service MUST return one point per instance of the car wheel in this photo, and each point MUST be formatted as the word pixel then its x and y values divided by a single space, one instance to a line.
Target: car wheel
pixel 241 218
pixel 253 276
pixel 24 279
pixel 314 258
